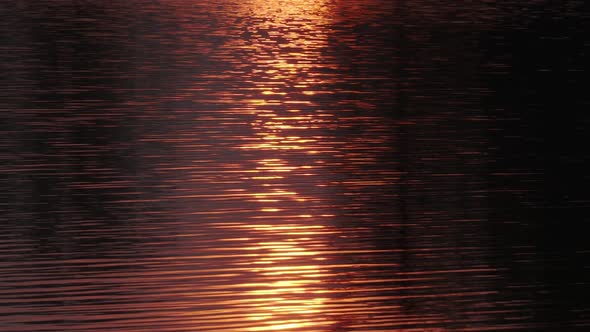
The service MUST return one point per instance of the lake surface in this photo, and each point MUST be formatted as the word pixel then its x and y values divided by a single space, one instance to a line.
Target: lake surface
pixel 299 165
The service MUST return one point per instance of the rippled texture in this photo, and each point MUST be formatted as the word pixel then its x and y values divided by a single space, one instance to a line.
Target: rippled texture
pixel 281 166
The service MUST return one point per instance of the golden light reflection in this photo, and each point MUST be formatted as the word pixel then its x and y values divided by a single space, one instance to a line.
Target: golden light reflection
pixel 283 42
pixel 293 297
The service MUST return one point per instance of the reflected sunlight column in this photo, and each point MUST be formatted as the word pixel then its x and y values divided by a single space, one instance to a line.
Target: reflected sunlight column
pixel 282 42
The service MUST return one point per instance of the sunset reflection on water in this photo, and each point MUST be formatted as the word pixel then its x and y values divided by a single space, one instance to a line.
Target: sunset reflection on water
pixel 255 165
pixel 291 296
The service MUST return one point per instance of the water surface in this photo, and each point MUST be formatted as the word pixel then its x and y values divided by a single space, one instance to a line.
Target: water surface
pixel 271 166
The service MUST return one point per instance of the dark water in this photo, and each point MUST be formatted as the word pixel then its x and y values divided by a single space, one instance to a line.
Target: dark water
pixel 299 165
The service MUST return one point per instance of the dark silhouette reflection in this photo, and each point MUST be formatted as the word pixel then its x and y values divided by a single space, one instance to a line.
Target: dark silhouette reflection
pixel 534 68
pixel 68 148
